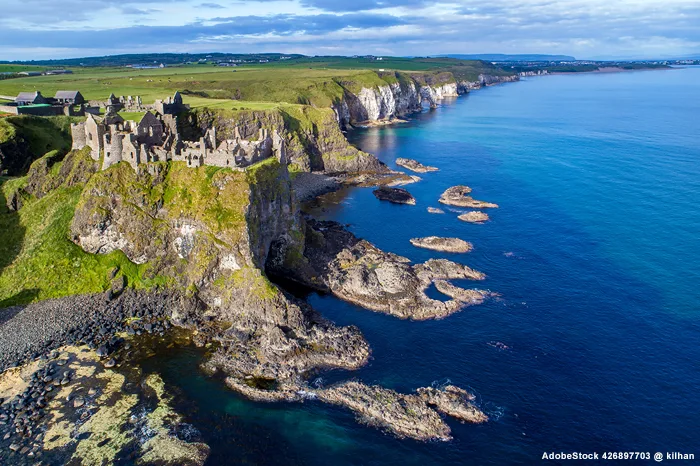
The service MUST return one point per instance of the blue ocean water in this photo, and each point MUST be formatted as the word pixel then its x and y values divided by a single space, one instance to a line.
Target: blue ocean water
pixel 595 250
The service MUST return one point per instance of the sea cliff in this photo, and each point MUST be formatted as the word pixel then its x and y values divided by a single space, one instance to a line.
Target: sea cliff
pixel 404 93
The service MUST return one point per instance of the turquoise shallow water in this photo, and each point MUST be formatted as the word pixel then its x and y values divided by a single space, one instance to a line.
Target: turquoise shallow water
pixel 595 250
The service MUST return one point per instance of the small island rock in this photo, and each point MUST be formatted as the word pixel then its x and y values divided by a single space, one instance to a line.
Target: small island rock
pixel 474 217
pixel 415 166
pixel 437 243
pixel 458 196
pixel 395 195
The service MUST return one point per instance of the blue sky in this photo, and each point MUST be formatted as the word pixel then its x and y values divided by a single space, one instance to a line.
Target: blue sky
pixel 37 29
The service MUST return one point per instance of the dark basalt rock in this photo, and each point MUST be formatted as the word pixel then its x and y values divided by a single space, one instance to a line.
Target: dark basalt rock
pixel 395 195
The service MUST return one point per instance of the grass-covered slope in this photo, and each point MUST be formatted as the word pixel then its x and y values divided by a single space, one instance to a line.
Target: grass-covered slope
pixel 25 138
pixel 176 223
pixel 37 258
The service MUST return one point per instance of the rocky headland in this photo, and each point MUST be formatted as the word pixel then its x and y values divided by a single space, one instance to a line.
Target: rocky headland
pixel 437 243
pixel 458 196
pixel 356 271
pixel 406 415
pixel 415 166
pixel 192 249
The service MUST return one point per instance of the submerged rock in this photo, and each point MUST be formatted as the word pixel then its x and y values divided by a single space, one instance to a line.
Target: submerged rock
pixel 437 243
pixel 474 217
pixel 458 196
pixel 415 165
pixel 395 195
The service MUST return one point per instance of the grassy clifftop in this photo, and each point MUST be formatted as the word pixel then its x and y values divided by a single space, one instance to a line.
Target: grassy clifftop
pixel 317 81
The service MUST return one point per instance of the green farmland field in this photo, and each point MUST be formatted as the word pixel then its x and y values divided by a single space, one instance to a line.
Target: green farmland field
pixel 315 81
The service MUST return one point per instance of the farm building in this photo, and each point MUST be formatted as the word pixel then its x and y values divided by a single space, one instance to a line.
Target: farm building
pixel 69 97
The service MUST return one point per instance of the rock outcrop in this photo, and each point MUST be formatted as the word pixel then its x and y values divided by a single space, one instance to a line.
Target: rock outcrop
pixel 394 95
pixel 394 195
pixel 484 80
pixel 415 416
pixel 358 272
pixel 437 243
pixel 313 139
pixel 415 166
pixel 405 415
pixel 210 231
pixel 474 216
pixel 458 196
pixel 454 402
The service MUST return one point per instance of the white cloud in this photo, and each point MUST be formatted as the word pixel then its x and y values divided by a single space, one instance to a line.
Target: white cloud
pixel 583 28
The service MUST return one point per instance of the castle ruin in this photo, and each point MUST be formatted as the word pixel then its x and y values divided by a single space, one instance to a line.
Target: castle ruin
pixel 155 138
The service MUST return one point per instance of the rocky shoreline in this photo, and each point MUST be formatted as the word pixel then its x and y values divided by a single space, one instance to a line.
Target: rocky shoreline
pixel 31 332
pixel 64 395
pixel 216 236
pixel 308 186
pixel 356 271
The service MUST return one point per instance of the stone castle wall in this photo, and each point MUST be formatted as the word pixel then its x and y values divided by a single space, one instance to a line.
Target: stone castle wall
pixel 156 138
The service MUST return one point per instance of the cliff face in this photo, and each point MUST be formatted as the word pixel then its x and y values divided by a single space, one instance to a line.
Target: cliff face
pixel 403 94
pixel 484 80
pixel 390 101
pixel 314 141
pixel 210 231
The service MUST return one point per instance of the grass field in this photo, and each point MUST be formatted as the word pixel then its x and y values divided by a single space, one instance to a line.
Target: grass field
pixel 315 81
pixel 18 68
